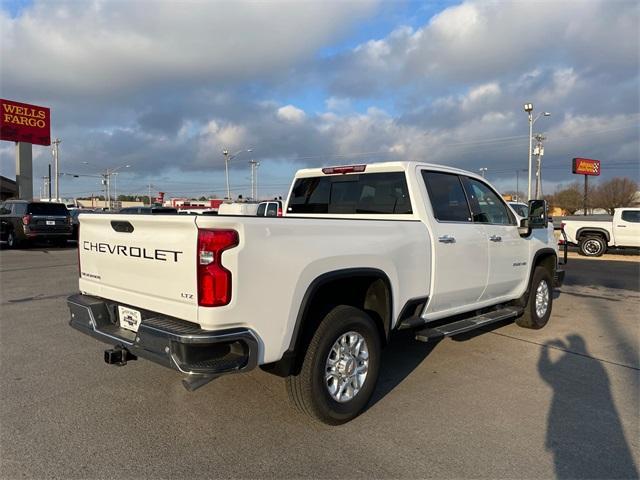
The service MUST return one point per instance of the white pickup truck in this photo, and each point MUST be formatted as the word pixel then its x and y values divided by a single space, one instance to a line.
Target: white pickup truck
pixel 594 235
pixel 314 295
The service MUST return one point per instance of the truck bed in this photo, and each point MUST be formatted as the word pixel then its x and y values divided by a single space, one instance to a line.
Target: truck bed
pixel 153 266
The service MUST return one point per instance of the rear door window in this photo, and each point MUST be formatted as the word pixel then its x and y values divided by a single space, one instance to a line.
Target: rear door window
pixel 447 197
pixel 370 193
pixel 48 209
pixel 261 209
pixel 631 216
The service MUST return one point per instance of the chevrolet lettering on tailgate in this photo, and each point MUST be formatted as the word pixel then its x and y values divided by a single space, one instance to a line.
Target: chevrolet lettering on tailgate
pixel 129 251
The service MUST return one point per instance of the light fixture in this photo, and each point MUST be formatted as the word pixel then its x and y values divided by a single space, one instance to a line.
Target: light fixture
pixel 528 107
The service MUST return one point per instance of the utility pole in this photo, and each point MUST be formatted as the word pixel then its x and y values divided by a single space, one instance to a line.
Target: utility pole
pixel 539 152
pixel 254 179
pixel 49 182
pixel 483 171
pixel 56 153
pixel 149 194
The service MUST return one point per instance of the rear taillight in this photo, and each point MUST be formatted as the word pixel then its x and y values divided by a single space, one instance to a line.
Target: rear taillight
pixel 279 212
pixel 214 281
pixel 26 220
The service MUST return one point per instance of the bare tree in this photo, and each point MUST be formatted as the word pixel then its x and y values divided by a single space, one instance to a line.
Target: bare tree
pixel 568 199
pixel 615 193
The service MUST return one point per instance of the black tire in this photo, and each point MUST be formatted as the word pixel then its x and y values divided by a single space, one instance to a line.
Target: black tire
pixel 531 318
pixel 12 240
pixel 592 246
pixel 308 390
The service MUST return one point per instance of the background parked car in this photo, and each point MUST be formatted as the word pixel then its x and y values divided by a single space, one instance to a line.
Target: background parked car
pixel 522 209
pixel 148 210
pixel 22 221
pixel 75 222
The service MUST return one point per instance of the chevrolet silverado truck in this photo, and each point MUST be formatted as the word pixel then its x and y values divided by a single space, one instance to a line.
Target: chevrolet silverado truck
pixel 313 296
pixel 594 235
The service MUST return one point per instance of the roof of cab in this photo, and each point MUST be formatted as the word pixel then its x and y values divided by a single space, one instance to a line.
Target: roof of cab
pixel 379 167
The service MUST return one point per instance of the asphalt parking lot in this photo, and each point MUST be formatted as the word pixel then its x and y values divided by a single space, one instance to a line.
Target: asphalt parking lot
pixel 507 403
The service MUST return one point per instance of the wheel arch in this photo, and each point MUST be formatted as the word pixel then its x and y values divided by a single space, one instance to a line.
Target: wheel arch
pixel 588 231
pixel 369 289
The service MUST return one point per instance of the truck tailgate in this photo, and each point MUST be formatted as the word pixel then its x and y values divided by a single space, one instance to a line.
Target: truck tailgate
pixel 144 261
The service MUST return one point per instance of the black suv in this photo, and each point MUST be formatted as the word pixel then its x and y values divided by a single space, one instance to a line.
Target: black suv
pixel 21 221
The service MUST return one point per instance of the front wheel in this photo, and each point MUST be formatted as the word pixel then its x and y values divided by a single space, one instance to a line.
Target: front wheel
pixel 340 368
pixel 593 246
pixel 12 240
pixel 538 308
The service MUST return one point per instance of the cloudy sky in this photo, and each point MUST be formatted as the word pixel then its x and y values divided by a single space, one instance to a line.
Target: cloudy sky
pixel 165 86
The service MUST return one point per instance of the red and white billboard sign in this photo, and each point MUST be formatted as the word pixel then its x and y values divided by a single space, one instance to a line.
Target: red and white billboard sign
pixel 586 166
pixel 22 122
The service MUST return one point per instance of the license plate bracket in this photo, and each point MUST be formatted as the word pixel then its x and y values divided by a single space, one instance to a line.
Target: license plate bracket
pixel 130 319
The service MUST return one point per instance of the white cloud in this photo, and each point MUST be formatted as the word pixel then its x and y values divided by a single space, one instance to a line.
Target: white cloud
pixel 292 114
pixel 102 47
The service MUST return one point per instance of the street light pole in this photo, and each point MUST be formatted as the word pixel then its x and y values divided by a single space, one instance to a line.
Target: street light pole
pixel 55 153
pixel 227 158
pixel 483 170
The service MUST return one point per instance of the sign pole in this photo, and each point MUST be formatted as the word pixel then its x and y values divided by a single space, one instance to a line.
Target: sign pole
pixel 586 187
pixel 24 170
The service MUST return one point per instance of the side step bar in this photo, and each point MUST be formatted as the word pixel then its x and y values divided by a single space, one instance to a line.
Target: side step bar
pixel 449 329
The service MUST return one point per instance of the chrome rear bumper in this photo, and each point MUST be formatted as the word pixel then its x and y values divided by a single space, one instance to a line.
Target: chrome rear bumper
pixel 168 341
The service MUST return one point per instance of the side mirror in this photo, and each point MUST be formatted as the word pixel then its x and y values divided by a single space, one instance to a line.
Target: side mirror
pixel 538 217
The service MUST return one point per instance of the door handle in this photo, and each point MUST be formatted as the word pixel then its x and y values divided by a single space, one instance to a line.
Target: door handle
pixel 495 238
pixel 621 226
pixel 446 239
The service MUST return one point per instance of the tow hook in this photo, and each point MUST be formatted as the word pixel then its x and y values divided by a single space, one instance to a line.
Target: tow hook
pixel 118 356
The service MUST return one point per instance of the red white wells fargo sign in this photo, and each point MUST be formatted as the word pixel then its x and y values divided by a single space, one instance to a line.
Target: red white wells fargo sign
pixel 586 166
pixel 21 122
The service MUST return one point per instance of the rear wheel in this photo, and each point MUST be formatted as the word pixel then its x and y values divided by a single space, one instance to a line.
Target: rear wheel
pixel 538 308
pixel 340 368
pixel 593 246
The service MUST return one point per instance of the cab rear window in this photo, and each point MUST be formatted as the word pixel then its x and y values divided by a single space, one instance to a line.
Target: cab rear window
pixel 47 209
pixel 370 193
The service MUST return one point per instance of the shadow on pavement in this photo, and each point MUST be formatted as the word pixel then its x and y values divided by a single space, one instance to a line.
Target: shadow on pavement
pixel 401 357
pixel 584 431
